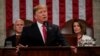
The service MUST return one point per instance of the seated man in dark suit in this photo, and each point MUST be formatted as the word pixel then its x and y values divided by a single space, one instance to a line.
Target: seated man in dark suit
pixel 14 39
pixel 41 33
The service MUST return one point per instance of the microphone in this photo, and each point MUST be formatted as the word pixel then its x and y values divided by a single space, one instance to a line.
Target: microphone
pixel 45 23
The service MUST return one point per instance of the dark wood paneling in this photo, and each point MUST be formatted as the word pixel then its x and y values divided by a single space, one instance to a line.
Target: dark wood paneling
pixel 45 51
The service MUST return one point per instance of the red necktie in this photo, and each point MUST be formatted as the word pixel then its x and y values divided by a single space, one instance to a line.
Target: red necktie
pixel 44 32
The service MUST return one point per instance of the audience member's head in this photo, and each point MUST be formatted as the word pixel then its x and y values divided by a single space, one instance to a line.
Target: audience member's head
pixel 78 27
pixel 40 13
pixel 18 26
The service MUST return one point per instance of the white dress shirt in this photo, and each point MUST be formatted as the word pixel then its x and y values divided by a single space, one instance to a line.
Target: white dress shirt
pixel 40 28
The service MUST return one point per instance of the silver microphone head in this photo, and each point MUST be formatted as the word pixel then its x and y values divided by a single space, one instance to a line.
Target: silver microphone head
pixel 45 23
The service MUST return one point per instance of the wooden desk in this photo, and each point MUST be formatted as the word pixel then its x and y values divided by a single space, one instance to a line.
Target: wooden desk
pixel 0 52
pixel 71 39
pixel 45 51
pixel 8 52
pixel 50 51
pixel 88 51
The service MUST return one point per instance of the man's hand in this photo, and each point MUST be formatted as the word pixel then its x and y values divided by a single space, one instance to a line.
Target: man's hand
pixel 20 46
pixel 74 49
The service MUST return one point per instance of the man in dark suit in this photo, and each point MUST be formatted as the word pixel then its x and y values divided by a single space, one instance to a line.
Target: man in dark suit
pixel 41 33
pixel 14 39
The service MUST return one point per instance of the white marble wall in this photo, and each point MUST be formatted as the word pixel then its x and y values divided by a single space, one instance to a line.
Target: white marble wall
pixel 2 22
pixel 96 15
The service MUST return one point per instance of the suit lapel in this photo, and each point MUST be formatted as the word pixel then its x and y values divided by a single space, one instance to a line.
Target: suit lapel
pixel 37 32
pixel 49 36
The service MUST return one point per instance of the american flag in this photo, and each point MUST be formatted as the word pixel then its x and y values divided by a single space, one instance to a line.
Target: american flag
pixel 59 11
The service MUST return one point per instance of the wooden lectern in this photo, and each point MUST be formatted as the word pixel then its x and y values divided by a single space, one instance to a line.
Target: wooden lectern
pixel 45 51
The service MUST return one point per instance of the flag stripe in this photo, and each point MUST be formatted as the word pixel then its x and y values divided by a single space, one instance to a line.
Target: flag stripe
pixel 29 10
pixel 8 14
pixel 15 10
pixel 22 9
pixel 49 7
pixel 61 13
pixel 89 14
pixel 55 8
pixel 82 14
pixel 75 9
pixel 35 2
pixel 42 2
pixel 68 9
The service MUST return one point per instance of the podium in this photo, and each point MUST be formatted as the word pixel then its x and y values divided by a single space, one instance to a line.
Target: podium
pixel 88 51
pixel 37 51
pixel 45 51
pixel 8 52
pixel 50 51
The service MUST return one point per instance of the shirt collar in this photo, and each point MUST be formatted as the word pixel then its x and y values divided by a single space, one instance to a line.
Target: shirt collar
pixel 39 24
pixel 18 34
